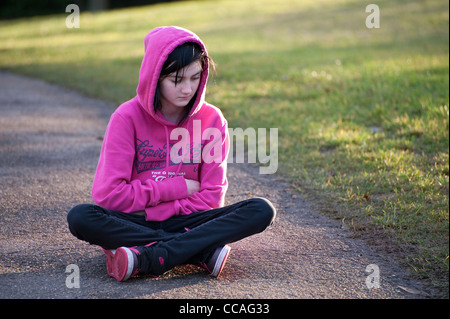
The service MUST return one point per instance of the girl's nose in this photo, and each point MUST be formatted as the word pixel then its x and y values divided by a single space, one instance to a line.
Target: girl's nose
pixel 186 88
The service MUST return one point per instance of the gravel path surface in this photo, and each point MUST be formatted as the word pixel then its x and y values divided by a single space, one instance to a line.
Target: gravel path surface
pixel 50 140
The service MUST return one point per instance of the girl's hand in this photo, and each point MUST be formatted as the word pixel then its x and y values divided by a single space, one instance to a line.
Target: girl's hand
pixel 192 186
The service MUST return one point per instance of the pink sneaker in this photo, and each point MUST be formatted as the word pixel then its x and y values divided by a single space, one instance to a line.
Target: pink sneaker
pixel 109 260
pixel 120 263
pixel 217 261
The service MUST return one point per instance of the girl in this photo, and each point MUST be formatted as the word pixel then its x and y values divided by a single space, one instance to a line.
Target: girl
pixel 160 205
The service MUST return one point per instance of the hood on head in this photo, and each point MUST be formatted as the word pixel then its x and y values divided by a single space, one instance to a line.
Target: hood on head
pixel 159 43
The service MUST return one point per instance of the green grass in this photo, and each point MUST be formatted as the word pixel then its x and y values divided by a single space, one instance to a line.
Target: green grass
pixel 363 114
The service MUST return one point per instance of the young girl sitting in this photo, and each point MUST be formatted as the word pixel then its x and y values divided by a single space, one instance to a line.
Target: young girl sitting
pixel 160 200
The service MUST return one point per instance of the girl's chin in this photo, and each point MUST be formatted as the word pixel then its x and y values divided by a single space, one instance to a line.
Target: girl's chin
pixel 181 103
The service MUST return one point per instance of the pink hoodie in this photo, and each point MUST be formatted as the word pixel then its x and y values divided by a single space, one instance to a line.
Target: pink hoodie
pixel 135 171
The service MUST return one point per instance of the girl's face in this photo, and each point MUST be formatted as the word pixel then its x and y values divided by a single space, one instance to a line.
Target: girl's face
pixel 177 92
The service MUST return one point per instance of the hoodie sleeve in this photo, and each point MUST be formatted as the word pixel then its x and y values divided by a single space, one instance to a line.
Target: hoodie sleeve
pixel 213 187
pixel 113 188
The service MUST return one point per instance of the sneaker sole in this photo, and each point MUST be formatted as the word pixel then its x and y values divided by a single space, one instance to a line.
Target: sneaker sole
pixel 122 264
pixel 109 261
pixel 221 260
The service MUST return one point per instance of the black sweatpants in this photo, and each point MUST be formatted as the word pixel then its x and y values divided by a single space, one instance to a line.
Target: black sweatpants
pixel 182 237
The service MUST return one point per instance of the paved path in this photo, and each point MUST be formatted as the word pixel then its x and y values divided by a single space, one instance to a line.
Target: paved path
pixel 50 140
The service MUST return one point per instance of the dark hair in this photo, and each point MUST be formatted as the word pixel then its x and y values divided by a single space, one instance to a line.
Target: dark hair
pixel 180 57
